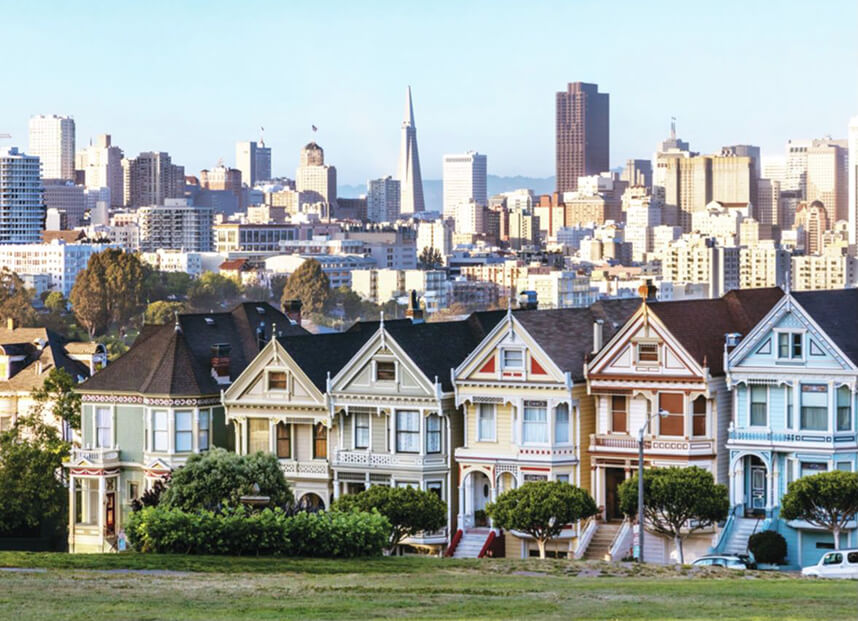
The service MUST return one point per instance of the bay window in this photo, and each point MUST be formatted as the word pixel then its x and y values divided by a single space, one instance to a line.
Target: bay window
pixel 361 431
pixel 561 423
pixel 486 422
pixel 203 430
pixel 160 431
pixel 184 431
pixel 619 414
pixel 433 434
pixel 284 440
pixel 535 422
pixel 320 441
pixel 759 406
pixel 86 502
pixel 103 428
pixel 814 407
pixel 844 409
pixel 407 431
pixel 673 423
pixel 257 435
pixel 789 407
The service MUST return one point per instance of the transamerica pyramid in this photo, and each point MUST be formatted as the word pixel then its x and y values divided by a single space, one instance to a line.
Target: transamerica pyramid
pixel 410 181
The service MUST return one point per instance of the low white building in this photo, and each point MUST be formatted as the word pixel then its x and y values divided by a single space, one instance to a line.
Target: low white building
pixel 167 260
pixel 337 267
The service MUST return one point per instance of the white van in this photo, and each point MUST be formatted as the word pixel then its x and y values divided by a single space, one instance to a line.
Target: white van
pixel 839 564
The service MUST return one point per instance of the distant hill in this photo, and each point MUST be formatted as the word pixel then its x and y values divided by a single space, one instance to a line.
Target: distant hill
pixel 433 188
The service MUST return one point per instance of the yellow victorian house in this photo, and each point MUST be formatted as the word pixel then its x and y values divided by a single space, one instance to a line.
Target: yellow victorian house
pixel 527 414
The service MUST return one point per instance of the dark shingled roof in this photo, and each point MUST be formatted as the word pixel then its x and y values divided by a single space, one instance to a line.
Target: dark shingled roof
pixel 700 325
pixel 25 374
pixel 169 361
pixel 836 312
pixel 566 334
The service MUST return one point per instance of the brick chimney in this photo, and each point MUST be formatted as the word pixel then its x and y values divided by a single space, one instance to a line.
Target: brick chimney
pixel 220 362
pixel 11 324
pixel 414 312
pixel 292 309
pixel 648 291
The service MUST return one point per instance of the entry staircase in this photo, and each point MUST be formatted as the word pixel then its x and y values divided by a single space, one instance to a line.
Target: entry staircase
pixel 471 543
pixel 740 531
pixel 599 548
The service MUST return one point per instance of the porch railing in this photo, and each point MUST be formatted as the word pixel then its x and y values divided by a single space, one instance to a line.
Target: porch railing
pixel 769 436
pixel 622 543
pixel 97 456
pixel 590 528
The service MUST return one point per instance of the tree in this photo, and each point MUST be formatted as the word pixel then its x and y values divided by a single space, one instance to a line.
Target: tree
pixel 159 285
pixel 15 299
pixel 57 393
pixel 309 284
pixel 409 510
pixel 31 455
pixel 827 500
pixel 430 258
pixel 55 302
pixel 161 312
pixel 278 283
pixel 541 509
pixel 677 501
pixel 220 478
pixel 110 289
pixel 211 290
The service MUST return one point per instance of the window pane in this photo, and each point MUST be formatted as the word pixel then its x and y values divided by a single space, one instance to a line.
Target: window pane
pixel 513 358
pixel 361 430
pixel 561 423
pixel 648 352
pixel 673 423
pixel 535 427
pixel 783 345
pixel 203 426
pixel 407 431
pixel 159 435
pixel 618 414
pixel 699 417
pixel 385 371
pixel 320 441
pixel 844 409
pixel 789 406
pixel 814 418
pixel 276 380
pixel 758 405
pixel 284 441
pixel 433 434
pixel 486 422
pixel 258 433
pixel 796 345
pixel 103 428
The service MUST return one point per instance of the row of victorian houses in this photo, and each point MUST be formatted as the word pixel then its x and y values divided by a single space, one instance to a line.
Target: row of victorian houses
pixel 758 387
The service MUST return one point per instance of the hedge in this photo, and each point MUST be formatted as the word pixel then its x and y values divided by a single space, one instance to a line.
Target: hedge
pixel 768 546
pixel 331 534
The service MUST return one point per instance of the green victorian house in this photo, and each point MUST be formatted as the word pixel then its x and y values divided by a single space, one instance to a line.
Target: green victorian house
pixel 147 412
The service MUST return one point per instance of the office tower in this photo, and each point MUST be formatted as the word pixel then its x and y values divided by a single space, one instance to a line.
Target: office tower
pixel 101 164
pixel 316 183
pixel 827 177
pixel 746 150
pixel 464 178
pixel 245 161
pixel 637 173
pixel 814 219
pixel 795 171
pixel 22 208
pixel 175 224
pixel 66 198
pixel 853 180
pixel 774 168
pixel 263 163
pixel 734 178
pixel 687 186
pixel 410 180
pixel 768 202
pixel 382 200
pixel 582 134
pixel 151 178
pixel 52 141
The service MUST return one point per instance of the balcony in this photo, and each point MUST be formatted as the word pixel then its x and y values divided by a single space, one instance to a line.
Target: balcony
pixel 304 469
pixel 97 457
pixel 793 439
pixel 681 447
pixel 368 459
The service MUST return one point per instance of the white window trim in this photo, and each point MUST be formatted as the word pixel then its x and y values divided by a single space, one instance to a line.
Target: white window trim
pixel 549 430
pixel 375 379
pixel 368 446
pixel 112 410
pixel 479 435
pixel 751 403
pixel 503 364
pixel 776 346
pixel 553 436
pixel 650 363
pixel 268 373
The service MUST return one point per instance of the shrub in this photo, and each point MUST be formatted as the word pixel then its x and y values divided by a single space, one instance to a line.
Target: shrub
pixel 239 531
pixel 768 546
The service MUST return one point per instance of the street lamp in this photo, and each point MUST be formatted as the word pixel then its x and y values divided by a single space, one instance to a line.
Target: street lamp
pixel 662 414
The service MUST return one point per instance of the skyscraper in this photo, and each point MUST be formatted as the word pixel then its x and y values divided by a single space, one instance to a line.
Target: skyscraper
pixel 853 180
pixel 464 181
pixel 316 183
pixel 826 177
pixel 22 208
pixel 102 166
pixel 151 178
pixel 52 141
pixel 382 200
pixel 582 134
pixel 263 162
pixel 410 181
pixel 254 162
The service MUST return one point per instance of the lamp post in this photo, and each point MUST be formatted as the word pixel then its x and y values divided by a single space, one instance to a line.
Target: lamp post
pixel 661 413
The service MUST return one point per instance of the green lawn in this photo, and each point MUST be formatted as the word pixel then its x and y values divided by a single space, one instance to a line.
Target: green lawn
pixel 136 586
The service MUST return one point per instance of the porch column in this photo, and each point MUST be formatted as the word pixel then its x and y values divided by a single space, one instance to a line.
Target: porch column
pixel 272 436
pixel 100 508
pixel 336 486
pixel 236 430
pixel 462 510
pixel 422 451
pixel 776 482
pixel 245 441
pixel 739 482
pixel 72 511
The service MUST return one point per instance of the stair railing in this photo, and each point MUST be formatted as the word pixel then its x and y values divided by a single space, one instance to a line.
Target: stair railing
pixel 622 542
pixel 590 528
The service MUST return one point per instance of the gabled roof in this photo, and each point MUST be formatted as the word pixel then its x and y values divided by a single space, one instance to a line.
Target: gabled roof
pixel 836 312
pixel 166 360
pixel 701 325
pixel 38 345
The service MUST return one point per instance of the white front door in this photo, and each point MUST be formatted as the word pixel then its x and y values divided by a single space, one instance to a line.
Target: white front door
pixel 758 488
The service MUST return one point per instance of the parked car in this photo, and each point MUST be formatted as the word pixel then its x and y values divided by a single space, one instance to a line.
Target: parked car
pixel 838 564
pixel 724 560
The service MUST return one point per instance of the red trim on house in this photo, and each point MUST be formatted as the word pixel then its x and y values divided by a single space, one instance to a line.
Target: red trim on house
pixel 489 366
pixel 451 549
pixel 536 368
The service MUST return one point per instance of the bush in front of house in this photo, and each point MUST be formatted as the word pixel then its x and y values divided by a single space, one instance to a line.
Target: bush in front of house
pixel 768 546
pixel 240 531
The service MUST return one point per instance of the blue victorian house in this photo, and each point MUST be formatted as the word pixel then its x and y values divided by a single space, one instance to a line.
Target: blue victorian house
pixel 793 380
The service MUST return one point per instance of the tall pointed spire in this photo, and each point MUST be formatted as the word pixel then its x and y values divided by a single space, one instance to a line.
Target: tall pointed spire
pixel 410 180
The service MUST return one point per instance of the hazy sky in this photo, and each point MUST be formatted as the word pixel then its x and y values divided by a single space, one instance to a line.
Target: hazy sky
pixel 192 77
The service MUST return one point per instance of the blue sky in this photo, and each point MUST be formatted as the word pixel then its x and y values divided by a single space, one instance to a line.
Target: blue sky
pixel 193 77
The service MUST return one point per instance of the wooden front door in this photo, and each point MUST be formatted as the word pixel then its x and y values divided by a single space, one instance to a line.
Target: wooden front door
pixel 110 513
pixel 613 478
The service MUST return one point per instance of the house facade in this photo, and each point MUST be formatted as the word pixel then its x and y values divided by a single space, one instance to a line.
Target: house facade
pixel 527 414
pixel 147 412
pixel 664 371
pixel 793 380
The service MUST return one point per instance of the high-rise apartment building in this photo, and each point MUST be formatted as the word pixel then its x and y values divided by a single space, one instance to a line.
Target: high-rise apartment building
pixel 316 183
pixel 382 200
pixel 852 179
pixel 696 259
pixel 464 179
pixel 151 178
pixel 52 141
pixel 22 205
pixel 827 177
pixel 67 198
pixel 582 134
pixel 101 164
pixel 410 179
pixel 175 224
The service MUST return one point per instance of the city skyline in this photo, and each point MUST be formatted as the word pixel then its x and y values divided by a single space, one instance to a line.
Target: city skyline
pixel 502 107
